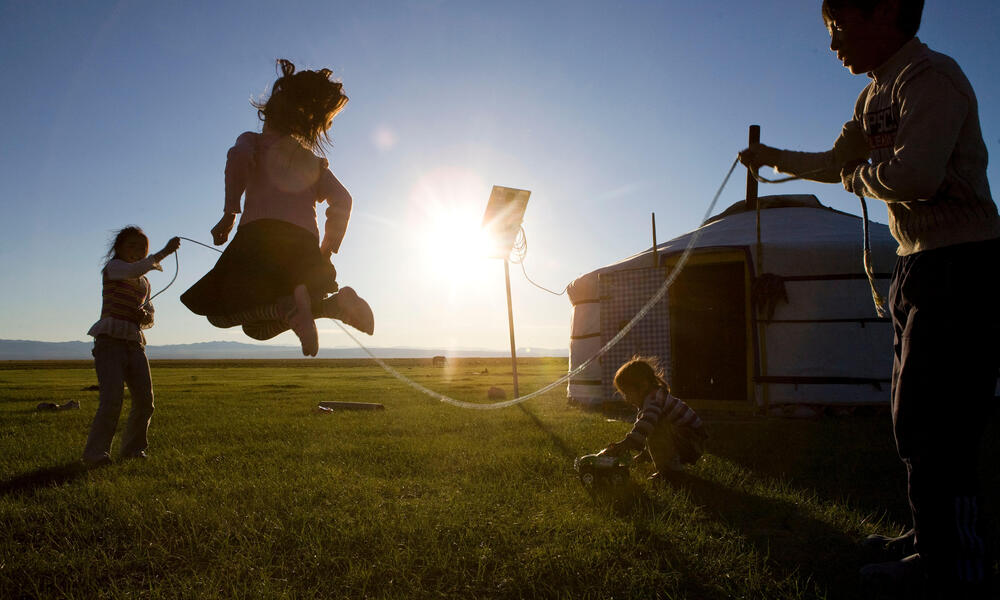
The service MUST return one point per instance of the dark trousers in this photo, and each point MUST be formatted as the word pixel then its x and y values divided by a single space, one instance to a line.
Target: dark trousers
pixel 120 362
pixel 946 317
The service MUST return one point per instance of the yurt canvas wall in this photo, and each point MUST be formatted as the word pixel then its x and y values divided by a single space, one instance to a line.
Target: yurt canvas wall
pixel 801 331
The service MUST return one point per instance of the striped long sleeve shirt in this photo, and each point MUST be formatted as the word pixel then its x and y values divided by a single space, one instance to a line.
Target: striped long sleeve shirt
pixel 659 405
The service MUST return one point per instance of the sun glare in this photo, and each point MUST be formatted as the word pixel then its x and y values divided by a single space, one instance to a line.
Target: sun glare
pixel 449 205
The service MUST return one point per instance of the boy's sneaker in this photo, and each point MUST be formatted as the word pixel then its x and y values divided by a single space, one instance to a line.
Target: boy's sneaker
pixel 901 545
pixel 301 322
pixel 349 308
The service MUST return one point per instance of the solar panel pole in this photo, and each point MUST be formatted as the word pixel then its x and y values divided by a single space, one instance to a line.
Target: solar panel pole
pixel 510 324
pixel 502 220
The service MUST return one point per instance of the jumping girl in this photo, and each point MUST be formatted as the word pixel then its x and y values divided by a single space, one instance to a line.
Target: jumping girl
pixel 276 274
pixel 119 346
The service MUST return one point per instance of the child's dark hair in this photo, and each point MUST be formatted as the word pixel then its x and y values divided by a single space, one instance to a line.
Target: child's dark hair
pixel 910 12
pixel 119 237
pixel 302 104
pixel 638 370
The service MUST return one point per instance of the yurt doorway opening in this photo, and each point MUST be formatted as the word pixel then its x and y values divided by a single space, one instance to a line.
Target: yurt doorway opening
pixel 708 330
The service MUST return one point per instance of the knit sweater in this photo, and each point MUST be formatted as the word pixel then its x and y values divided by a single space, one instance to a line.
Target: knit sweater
pixel 283 180
pixel 918 123
pixel 125 289
pixel 659 405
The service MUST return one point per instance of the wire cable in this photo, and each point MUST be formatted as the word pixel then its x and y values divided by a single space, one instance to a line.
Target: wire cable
pixel 517 255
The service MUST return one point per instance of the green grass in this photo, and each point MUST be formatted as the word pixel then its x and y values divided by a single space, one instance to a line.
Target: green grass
pixel 249 492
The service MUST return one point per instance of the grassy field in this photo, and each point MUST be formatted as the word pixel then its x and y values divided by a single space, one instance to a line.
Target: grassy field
pixel 250 492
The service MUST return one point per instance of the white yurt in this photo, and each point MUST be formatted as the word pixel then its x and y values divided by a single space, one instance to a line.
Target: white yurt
pixel 785 324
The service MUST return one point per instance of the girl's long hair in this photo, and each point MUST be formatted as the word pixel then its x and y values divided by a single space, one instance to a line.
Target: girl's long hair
pixel 639 370
pixel 119 237
pixel 302 104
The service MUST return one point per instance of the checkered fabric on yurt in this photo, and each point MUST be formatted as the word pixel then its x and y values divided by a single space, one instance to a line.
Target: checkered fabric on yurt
pixel 623 294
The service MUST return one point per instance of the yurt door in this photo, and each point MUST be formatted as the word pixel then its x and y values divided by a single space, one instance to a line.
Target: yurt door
pixel 708 331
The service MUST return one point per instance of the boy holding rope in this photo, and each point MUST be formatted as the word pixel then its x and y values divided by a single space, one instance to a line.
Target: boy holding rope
pixel 917 123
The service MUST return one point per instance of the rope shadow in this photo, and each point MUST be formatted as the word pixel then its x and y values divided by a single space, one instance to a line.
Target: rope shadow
pixel 557 441
pixel 43 478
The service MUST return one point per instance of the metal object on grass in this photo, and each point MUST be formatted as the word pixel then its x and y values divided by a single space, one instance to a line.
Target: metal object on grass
pixel 336 405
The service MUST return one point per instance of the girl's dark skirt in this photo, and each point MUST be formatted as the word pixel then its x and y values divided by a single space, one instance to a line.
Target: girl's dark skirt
pixel 265 261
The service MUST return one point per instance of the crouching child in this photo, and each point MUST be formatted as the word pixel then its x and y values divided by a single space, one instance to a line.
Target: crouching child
pixel 668 428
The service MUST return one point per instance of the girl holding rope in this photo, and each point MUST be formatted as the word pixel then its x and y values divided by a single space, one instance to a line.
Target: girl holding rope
pixel 119 346
pixel 276 274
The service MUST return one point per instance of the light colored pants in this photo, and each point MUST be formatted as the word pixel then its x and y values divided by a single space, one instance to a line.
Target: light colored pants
pixel 118 363
pixel 670 446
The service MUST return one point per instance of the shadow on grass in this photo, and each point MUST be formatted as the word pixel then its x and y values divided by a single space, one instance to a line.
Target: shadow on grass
pixel 794 542
pixel 42 478
pixel 851 461
pixel 557 441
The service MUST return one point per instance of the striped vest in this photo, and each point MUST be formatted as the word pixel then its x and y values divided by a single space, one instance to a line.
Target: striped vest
pixel 123 298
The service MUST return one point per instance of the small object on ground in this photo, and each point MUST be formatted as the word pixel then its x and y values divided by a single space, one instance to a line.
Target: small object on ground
pixel 72 404
pixel 92 388
pixel 495 393
pixel 330 405
pixel 602 470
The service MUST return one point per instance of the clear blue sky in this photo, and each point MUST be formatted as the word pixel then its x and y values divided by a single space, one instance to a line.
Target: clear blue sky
pixel 122 112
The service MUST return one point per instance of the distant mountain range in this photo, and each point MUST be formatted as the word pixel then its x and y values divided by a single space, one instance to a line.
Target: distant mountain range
pixel 31 350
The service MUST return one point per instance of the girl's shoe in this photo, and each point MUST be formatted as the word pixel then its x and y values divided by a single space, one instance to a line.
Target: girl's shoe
pixel 301 322
pixel 349 308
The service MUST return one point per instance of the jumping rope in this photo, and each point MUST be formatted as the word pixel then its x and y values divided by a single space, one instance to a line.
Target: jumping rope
pixel 674 273
pixel 177 269
pixel 617 338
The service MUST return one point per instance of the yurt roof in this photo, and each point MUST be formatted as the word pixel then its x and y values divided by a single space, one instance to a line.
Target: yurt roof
pixel 799 236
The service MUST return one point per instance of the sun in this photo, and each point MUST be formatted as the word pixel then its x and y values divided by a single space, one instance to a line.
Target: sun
pixel 448 206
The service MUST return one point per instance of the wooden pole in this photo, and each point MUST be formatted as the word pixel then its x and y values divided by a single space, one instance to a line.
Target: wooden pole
pixel 510 324
pixel 751 180
pixel 753 201
pixel 656 261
